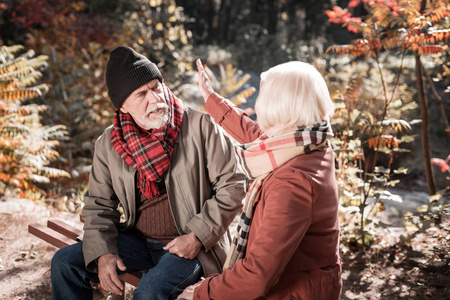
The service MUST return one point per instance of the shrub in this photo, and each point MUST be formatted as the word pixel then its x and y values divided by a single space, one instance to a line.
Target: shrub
pixel 26 146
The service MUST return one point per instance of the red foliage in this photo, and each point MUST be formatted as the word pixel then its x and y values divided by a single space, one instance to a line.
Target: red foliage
pixel 441 163
pixel 87 29
pixel 383 141
pixel 393 5
pixel 62 20
pixel 354 3
pixel 30 13
pixel 430 49
pixel 338 15
pixel 384 19
pixel 352 29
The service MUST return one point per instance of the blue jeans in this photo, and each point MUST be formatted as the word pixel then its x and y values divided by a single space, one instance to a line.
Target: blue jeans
pixel 167 277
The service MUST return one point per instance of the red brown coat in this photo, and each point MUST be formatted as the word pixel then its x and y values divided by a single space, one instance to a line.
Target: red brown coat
pixel 292 251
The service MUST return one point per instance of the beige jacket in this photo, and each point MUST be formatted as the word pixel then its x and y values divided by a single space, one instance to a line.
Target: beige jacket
pixel 205 188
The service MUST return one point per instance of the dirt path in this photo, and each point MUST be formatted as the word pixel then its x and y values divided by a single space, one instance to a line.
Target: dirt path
pixel 25 259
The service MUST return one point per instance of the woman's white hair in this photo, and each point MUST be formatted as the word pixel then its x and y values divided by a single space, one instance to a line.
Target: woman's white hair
pixel 292 94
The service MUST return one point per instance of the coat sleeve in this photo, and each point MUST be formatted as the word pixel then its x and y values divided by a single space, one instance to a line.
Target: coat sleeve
pixel 227 181
pixel 234 120
pixel 287 214
pixel 99 212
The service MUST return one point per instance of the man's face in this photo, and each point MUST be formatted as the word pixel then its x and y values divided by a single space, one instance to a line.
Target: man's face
pixel 147 106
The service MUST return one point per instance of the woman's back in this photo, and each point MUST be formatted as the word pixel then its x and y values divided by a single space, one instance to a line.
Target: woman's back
pixel 314 172
pixel 303 192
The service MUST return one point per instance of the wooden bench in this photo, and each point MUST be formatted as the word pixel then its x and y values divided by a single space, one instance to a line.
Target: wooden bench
pixel 60 235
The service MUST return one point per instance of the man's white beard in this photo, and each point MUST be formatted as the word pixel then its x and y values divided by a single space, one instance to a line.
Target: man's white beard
pixel 145 122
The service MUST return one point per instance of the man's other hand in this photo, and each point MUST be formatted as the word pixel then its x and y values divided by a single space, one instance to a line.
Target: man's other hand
pixel 109 279
pixel 185 246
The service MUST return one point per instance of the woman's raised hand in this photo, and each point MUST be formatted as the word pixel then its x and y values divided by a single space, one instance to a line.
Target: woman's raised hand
pixel 204 84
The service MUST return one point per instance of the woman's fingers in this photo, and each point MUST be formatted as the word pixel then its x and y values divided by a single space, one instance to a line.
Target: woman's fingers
pixel 201 72
pixel 204 84
pixel 199 66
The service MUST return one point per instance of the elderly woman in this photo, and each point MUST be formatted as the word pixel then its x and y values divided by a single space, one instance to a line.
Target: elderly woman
pixel 288 234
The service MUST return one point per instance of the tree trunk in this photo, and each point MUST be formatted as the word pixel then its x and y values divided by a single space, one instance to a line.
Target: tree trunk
pixel 224 21
pixel 438 100
pixel 272 16
pixel 210 17
pixel 236 22
pixel 423 104
pixel 424 127
pixel 293 22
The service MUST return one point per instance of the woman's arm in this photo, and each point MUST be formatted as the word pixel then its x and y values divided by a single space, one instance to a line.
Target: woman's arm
pixel 234 120
pixel 286 218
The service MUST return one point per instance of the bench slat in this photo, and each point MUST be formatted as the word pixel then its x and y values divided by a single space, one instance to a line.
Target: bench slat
pixel 131 278
pixel 60 235
pixel 51 236
pixel 64 228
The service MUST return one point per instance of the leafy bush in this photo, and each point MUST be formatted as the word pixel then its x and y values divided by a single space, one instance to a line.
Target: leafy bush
pixel 368 126
pixel 27 147
pixel 368 138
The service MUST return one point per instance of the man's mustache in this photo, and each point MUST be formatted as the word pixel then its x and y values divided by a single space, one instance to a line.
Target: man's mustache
pixel 156 107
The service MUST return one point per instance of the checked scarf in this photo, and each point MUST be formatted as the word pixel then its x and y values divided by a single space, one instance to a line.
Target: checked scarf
pixel 149 152
pixel 259 159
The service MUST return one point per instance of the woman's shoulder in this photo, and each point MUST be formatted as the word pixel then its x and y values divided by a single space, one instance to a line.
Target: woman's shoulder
pixel 306 169
pixel 286 177
pixel 316 163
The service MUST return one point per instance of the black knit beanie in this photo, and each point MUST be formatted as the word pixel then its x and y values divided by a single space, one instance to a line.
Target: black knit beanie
pixel 126 71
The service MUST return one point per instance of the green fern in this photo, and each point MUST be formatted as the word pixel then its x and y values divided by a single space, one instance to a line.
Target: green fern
pixel 26 146
pixel 13 130
pixel 10 51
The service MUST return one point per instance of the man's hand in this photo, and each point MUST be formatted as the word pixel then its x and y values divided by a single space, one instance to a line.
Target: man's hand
pixel 204 84
pixel 185 246
pixel 109 280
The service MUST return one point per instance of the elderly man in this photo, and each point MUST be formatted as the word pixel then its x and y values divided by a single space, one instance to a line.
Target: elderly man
pixel 171 174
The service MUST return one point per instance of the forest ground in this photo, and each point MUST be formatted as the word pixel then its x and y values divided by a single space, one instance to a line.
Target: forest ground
pixel 388 272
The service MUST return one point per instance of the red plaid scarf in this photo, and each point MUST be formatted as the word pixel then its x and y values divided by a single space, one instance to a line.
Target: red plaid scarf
pixel 149 152
pixel 259 159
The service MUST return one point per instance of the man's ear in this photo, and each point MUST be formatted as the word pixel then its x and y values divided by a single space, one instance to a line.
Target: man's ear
pixel 122 109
